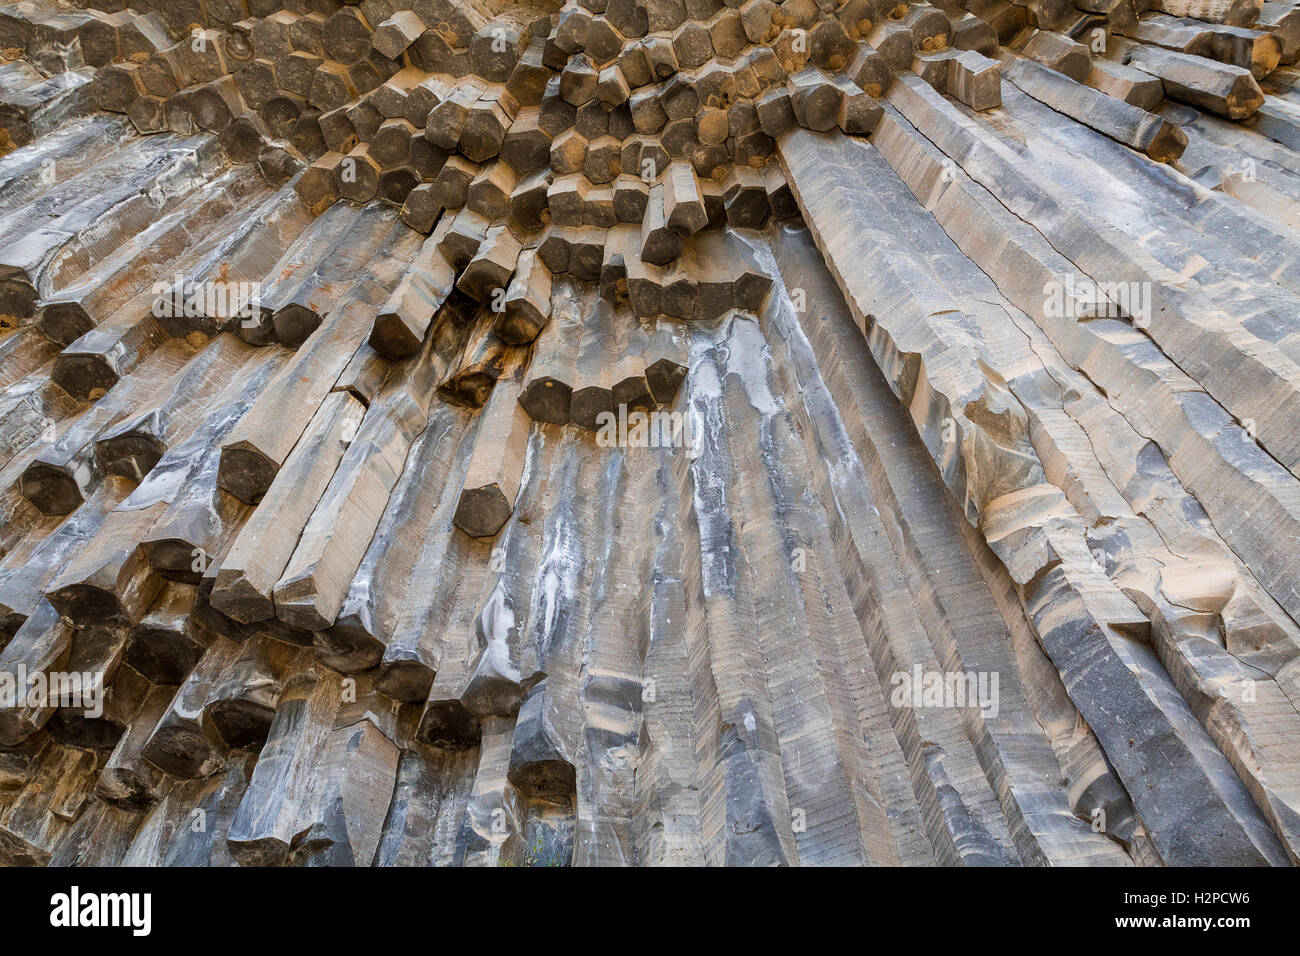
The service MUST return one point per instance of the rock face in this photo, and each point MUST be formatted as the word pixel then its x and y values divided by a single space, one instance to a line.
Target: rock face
pixel 463 433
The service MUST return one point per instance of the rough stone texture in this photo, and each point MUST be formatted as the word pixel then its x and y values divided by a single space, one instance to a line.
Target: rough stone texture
pixel 618 434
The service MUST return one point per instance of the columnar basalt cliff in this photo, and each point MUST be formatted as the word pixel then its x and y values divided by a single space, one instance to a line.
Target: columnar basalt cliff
pixel 636 432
